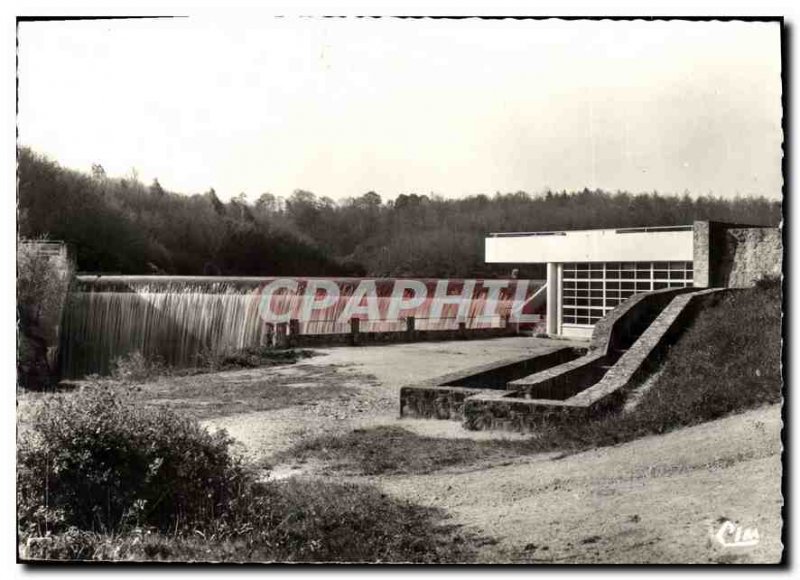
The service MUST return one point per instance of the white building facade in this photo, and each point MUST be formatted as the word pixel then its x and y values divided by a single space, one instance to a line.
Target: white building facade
pixel 590 272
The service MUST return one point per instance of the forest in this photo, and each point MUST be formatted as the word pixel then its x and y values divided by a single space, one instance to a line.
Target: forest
pixel 121 225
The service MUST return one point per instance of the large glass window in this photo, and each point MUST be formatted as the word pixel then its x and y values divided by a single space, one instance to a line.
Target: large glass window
pixel 590 290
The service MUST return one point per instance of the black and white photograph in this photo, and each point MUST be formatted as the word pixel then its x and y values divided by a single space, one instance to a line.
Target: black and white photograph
pixel 400 290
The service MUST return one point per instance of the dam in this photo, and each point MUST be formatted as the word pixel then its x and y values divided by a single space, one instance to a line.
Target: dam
pixel 180 319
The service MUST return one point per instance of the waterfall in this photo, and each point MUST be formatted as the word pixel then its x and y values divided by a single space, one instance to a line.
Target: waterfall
pixel 177 318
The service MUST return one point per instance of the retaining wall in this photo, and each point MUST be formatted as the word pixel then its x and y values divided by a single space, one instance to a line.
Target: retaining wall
pixel 735 255
pixel 750 254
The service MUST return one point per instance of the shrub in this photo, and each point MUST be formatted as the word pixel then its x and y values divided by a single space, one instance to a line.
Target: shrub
pixel 250 357
pixel 97 461
pixel 102 478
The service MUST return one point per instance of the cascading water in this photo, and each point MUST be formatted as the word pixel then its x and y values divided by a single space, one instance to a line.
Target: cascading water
pixel 178 318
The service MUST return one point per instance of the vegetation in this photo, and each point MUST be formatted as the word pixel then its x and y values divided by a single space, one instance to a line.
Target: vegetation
pixel 728 361
pixel 41 291
pixel 121 225
pixel 390 449
pixel 102 477
pixel 136 368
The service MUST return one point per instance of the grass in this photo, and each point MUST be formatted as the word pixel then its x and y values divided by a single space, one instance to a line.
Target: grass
pixel 389 449
pixel 288 521
pixel 205 396
pixel 728 361
pixel 136 368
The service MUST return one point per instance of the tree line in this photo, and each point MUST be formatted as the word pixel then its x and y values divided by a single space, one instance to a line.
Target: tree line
pixel 123 226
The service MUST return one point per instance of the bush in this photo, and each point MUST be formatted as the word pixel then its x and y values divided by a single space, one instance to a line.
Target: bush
pixel 135 368
pixel 97 461
pixel 102 478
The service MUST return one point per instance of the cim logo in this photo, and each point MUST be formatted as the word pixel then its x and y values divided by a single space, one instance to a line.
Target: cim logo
pixel 733 535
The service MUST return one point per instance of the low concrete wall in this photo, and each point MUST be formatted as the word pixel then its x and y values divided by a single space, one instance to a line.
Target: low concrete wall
pixel 434 402
pixel 498 376
pixel 371 338
pixel 443 397
pixel 563 381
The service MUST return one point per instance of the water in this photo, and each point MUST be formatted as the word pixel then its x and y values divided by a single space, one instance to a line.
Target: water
pixel 176 319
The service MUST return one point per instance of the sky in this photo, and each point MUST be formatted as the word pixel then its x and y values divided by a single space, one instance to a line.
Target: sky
pixel 454 107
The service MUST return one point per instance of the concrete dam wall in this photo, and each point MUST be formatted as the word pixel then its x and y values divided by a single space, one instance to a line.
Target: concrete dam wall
pixel 177 319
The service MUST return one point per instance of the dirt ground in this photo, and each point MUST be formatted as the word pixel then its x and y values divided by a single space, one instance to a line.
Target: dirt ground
pixel 660 499
pixel 372 376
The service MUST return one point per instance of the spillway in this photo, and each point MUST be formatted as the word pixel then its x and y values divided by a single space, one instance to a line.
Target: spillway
pixel 178 318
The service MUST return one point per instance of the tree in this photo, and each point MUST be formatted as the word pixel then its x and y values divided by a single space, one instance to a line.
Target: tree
pixel 98 172
pixel 156 189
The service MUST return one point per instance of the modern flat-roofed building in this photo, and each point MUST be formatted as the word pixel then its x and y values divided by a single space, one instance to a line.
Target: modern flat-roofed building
pixel 590 272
